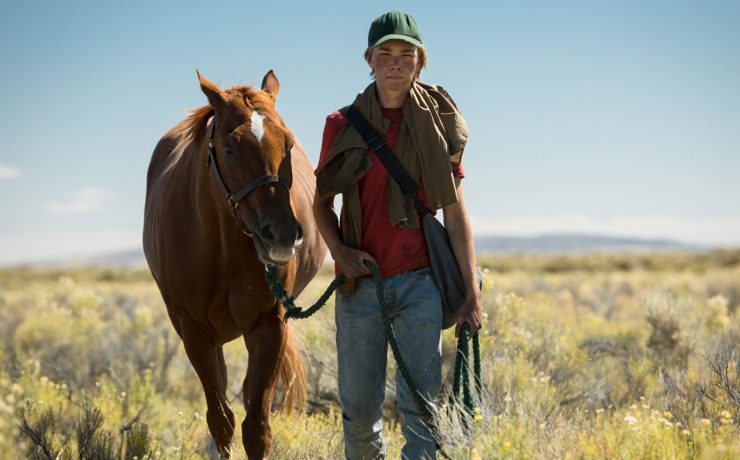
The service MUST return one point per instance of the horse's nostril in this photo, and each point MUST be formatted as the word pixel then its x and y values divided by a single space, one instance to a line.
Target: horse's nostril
pixel 299 232
pixel 266 233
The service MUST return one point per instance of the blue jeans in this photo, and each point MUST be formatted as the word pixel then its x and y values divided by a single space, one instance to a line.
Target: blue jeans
pixel 416 313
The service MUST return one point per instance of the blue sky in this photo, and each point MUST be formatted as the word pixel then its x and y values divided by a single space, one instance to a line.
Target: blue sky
pixel 585 116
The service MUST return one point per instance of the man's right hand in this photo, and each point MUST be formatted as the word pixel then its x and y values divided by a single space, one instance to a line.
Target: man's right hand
pixel 351 261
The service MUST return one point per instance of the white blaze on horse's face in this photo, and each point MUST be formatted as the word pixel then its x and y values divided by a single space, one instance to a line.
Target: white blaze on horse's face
pixel 257 123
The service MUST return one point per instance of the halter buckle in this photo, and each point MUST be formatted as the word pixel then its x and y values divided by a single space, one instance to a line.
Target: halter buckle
pixel 232 202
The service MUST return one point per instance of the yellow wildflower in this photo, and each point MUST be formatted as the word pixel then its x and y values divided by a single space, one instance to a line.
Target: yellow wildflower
pixel 507 445
pixel 705 422
pixel 725 414
pixel 667 414
pixel 474 455
pixel 685 432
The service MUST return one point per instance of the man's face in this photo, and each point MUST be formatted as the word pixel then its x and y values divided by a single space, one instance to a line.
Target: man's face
pixel 395 63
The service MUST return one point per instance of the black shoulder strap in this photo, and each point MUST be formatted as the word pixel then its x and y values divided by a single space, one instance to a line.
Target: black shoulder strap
pixel 376 142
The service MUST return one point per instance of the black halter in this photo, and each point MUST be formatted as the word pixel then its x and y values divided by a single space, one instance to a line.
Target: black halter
pixel 233 199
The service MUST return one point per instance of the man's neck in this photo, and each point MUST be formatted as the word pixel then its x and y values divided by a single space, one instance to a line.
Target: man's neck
pixel 391 99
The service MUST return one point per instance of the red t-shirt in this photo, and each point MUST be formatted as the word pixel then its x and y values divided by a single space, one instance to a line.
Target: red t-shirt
pixel 396 249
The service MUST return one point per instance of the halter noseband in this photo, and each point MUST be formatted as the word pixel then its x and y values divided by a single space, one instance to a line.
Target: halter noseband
pixel 233 199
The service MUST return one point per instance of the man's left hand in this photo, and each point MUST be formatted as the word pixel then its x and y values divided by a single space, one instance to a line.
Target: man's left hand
pixel 471 314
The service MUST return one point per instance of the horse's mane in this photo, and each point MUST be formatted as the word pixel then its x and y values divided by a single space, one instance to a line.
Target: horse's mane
pixel 195 123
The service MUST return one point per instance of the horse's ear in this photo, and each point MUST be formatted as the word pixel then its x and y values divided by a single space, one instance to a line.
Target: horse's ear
pixel 270 84
pixel 213 93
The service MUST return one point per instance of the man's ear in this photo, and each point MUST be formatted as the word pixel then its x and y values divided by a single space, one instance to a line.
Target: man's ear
pixel 369 57
pixel 215 96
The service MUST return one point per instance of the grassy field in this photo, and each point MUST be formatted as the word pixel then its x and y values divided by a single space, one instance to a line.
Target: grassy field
pixel 595 356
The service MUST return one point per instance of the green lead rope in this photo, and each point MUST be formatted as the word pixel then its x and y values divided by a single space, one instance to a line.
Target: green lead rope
pixel 390 335
pixel 462 366
pixel 272 275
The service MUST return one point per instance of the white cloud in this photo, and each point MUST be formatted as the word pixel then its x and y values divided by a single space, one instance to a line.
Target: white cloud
pixel 81 201
pixel 721 231
pixel 9 172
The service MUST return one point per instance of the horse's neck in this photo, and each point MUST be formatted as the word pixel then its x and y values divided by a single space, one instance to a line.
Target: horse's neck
pixel 188 164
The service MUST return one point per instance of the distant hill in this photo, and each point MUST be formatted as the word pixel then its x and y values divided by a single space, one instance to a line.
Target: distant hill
pixel 576 243
pixel 123 259
pixel 542 244
pixel 120 259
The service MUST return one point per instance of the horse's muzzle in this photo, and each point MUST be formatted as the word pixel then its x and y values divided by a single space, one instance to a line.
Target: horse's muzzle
pixel 279 243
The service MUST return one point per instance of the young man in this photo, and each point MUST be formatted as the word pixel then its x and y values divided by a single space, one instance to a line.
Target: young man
pixel 426 132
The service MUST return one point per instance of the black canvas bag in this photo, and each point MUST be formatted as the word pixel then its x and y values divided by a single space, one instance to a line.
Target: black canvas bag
pixel 445 270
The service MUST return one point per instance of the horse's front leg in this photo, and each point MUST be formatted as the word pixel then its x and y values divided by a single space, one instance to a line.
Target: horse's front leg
pixel 208 361
pixel 266 344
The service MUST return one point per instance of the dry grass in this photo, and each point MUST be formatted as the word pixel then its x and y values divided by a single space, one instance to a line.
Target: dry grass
pixel 622 356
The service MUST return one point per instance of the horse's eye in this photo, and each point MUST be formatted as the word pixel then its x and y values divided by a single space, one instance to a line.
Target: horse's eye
pixel 227 148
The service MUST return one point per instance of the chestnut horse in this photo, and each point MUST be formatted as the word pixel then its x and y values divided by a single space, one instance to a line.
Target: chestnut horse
pixel 207 247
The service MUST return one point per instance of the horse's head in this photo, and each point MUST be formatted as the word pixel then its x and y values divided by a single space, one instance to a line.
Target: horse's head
pixel 250 157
